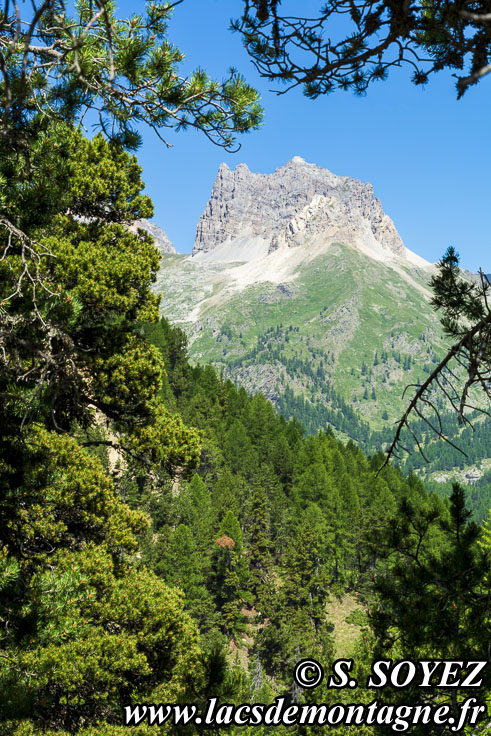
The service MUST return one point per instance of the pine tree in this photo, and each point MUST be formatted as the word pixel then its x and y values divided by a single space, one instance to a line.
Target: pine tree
pixel 183 567
pixel 305 583
pixel 196 508
pixel 312 485
pixel 82 625
pixel 351 518
pixel 238 448
pixel 229 494
pixel 428 38
pixel 78 616
pixel 295 611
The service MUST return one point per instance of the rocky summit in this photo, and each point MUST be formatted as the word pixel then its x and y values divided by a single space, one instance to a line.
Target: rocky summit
pixel 293 205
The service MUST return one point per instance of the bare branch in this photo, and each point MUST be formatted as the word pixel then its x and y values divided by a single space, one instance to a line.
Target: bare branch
pixel 432 379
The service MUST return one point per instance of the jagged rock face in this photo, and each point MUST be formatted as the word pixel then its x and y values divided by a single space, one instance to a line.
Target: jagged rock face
pixel 286 207
pixel 162 241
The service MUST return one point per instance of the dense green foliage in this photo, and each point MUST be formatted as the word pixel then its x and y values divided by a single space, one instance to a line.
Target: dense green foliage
pixel 280 491
pixel 284 522
pixel 434 602
pixel 82 631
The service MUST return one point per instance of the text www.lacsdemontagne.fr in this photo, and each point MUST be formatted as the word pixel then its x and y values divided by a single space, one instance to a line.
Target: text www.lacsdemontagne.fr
pixel 282 712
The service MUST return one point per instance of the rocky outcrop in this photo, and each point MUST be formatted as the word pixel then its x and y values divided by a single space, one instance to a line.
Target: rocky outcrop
pixel 162 241
pixel 286 208
pixel 259 378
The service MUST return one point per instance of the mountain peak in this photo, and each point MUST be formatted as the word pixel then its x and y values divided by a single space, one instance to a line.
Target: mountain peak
pixel 299 204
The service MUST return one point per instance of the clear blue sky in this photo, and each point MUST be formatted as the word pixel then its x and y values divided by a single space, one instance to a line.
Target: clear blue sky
pixel 426 154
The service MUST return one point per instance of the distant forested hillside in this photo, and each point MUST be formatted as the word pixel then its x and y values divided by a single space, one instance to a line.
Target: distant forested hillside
pixel 464 458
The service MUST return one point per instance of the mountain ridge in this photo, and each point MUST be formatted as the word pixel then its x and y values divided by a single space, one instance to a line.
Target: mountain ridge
pixel 296 201
pixel 267 226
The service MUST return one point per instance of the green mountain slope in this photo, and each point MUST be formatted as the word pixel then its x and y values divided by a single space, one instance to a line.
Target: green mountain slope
pixel 334 346
pixel 345 328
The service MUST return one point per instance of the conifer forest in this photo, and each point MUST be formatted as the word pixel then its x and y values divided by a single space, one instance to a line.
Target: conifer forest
pixel 173 532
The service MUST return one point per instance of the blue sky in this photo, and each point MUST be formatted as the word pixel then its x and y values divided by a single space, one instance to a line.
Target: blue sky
pixel 426 154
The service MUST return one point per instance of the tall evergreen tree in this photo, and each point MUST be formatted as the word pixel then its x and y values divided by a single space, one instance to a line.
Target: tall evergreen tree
pixel 184 567
pixel 258 524
pixel 238 448
pixel 435 602
pixel 229 576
